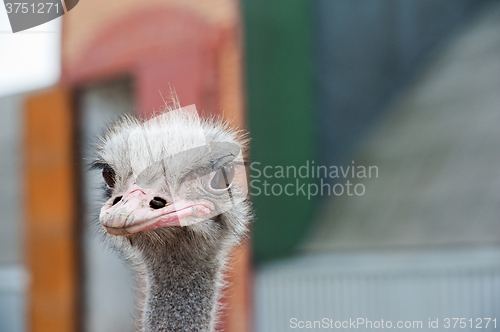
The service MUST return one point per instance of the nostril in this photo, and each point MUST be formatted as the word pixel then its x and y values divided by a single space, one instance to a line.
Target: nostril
pixel 157 203
pixel 117 199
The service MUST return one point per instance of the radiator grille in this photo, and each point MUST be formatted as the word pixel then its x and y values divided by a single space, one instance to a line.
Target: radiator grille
pixel 395 287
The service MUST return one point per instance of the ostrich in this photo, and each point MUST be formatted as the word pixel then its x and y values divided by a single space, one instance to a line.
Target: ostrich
pixel 176 206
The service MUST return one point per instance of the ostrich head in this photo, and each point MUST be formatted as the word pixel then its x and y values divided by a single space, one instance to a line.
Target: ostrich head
pixel 173 170
pixel 176 204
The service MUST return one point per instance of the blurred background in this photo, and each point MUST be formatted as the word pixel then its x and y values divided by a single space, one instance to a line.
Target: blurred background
pixel 409 89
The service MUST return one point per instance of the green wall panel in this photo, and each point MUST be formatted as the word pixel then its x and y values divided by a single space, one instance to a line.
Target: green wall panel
pixel 280 110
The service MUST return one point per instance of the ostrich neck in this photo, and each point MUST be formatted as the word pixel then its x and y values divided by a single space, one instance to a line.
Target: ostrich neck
pixel 182 289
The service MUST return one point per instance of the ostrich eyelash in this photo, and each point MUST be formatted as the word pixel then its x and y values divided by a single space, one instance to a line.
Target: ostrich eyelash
pixel 99 165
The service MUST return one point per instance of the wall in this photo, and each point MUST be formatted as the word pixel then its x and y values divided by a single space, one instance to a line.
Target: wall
pixel 366 52
pixel 280 109
pixel 109 303
pixel 12 274
pixel 319 75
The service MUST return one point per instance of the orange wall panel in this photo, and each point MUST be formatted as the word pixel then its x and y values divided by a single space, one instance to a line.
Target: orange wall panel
pixel 50 210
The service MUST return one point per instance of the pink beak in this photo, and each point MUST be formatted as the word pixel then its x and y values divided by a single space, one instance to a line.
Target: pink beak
pixel 136 211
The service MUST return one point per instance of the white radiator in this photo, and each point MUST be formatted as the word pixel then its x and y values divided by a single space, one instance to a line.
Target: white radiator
pixel 330 291
pixel 13 283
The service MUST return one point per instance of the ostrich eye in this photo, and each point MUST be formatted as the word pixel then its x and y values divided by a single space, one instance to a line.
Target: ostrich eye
pixel 109 176
pixel 223 178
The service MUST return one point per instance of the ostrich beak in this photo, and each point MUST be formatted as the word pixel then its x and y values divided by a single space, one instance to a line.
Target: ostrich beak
pixel 142 209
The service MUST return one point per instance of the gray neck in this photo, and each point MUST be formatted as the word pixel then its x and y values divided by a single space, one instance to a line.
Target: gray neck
pixel 182 288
